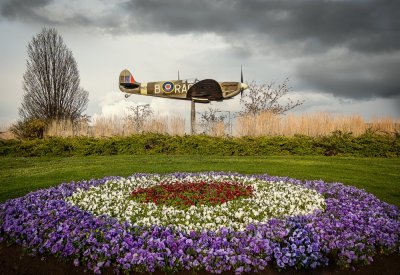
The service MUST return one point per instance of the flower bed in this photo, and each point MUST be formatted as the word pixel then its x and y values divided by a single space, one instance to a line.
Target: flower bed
pixel 270 200
pixel 281 223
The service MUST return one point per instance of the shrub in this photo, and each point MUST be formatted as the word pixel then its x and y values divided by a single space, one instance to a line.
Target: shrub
pixel 369 144
pixel 29 129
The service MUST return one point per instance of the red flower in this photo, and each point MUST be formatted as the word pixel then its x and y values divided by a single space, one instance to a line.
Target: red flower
pixel 184 194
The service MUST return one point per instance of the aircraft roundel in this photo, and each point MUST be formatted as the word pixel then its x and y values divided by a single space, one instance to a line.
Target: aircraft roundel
pixel 168 87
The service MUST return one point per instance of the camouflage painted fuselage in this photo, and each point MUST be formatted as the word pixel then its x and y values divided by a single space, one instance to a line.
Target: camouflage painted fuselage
pixel 199 91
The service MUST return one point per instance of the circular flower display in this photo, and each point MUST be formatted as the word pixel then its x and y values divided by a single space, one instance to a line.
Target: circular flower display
pixel 283 223
pixel 264 200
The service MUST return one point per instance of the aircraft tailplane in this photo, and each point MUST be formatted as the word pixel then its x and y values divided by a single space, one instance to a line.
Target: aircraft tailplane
pixel 127 80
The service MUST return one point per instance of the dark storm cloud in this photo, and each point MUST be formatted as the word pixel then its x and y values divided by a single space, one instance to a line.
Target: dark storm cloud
pixel 351 75
pixel 368 30
pixel 23 10
pixel 29 11
pixel 305 30
pixel 359 25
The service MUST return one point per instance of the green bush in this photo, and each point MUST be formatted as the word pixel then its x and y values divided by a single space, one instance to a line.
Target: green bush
pixel 345 144
pixel 29 129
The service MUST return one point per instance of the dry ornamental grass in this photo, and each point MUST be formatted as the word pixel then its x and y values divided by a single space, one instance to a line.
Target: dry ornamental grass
pixel 264 124
pixel 316 124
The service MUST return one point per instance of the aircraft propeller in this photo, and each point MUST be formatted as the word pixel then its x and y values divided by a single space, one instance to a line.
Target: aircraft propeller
pixel 243 86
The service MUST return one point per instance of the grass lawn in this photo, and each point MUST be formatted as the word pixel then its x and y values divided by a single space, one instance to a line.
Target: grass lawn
pixel 380 176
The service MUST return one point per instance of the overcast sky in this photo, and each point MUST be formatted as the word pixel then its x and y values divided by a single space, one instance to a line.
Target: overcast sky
pixel 341 56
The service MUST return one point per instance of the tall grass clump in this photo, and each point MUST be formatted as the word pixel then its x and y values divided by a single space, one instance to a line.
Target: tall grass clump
pixel 313 125
pixel 111 126
pixel 67 128
pixel 264 124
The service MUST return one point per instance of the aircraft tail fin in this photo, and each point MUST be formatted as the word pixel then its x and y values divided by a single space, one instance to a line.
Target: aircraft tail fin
pixel 127 80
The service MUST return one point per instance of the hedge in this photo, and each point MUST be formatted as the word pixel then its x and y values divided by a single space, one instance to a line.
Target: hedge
pixel 367 145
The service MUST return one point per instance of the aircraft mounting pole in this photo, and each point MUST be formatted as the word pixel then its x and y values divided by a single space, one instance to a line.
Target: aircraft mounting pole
pixel 193 118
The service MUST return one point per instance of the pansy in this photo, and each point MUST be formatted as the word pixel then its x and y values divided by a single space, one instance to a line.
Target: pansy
pixel 282 223
pixel 268 200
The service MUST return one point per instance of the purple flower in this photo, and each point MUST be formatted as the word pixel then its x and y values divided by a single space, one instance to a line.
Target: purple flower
pixel 76 262
pixel 354 227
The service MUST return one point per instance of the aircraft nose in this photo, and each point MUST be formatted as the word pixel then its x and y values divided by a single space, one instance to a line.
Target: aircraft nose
pixel 244 86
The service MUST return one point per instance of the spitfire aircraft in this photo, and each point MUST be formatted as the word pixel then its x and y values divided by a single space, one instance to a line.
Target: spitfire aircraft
pixel 201 91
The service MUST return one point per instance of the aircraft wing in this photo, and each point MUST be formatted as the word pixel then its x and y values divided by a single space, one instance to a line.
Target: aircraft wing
pixel 207 88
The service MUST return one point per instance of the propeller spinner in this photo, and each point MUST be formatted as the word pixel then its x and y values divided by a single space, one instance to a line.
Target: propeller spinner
pixel 243 86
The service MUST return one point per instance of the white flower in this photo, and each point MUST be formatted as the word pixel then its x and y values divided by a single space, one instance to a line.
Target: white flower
pixel 269 200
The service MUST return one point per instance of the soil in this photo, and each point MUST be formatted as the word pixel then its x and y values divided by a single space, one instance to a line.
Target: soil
pixel 14 261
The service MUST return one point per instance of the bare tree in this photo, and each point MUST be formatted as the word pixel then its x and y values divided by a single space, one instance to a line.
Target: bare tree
pixel 51 80
pixel 266 98
pixel 138 116
pixel 209 119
